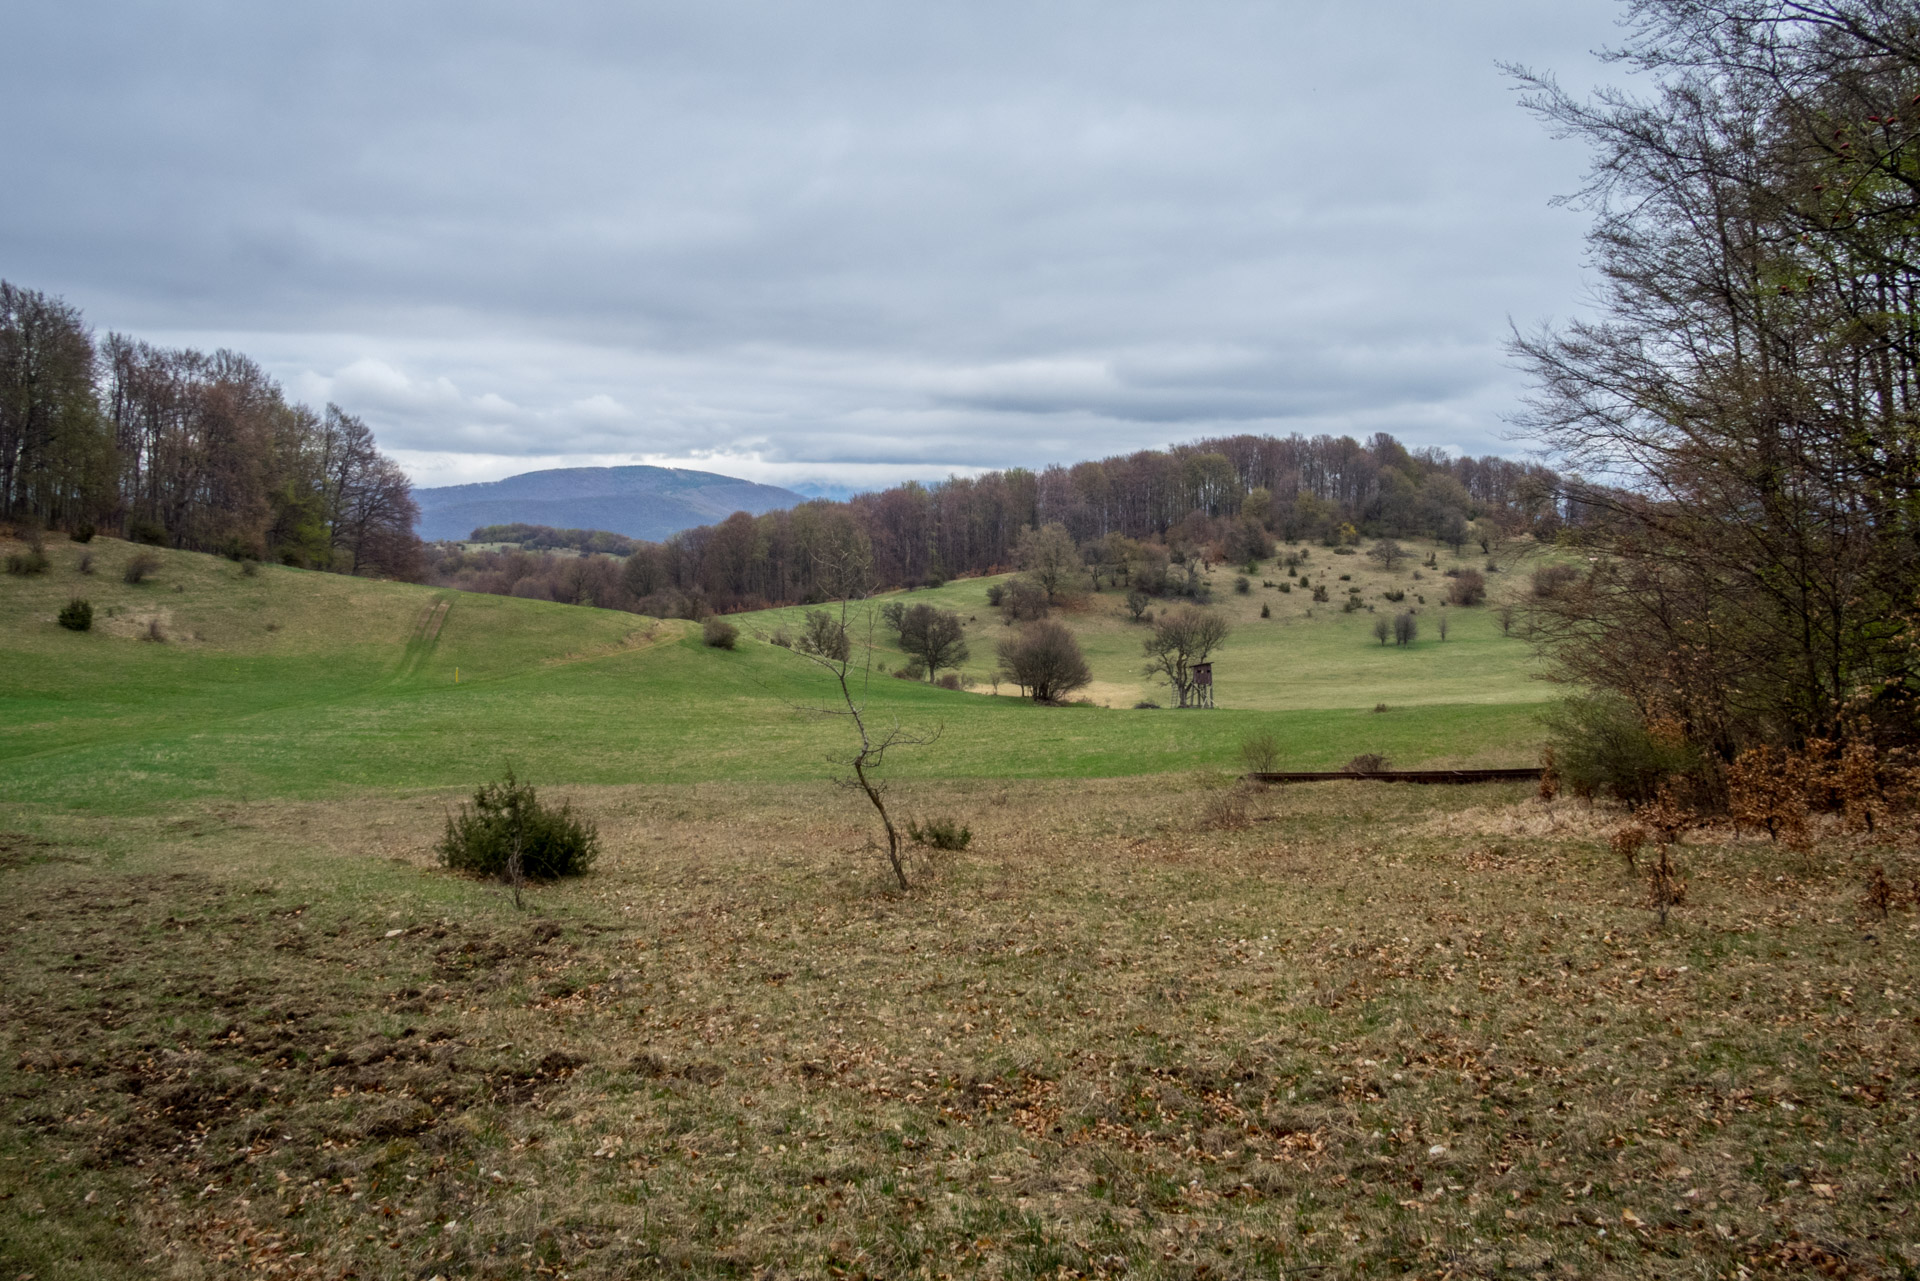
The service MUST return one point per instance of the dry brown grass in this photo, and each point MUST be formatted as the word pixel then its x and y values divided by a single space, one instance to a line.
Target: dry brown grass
pixel 1365 1028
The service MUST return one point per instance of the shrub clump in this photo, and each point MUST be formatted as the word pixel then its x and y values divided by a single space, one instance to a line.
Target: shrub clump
pixel 719 633
pixel 141 568
pixel 1468 587
pixel 81 533
pixel 507 824
pixel 32 561
pixel 940 833
pixel 1601 744
pixel 77 616
pixel 1260 753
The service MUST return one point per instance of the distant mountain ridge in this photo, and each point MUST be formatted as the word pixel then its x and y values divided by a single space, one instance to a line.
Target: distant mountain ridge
pixel 638 501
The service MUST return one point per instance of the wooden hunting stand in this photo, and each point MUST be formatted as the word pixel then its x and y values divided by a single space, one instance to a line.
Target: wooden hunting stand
pixel 1203 684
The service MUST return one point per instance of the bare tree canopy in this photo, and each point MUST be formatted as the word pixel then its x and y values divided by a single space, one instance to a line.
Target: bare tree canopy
pixel 195 450
pixel 1045 661
pixel 1180 639
pixel 1048 556
pixel 1748 395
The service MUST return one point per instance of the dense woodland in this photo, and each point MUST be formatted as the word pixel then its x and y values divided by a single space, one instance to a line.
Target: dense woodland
pixel 1223 499
pixel 182 448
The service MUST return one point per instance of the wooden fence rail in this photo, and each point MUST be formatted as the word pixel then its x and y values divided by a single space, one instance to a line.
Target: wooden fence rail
pixel 1399 776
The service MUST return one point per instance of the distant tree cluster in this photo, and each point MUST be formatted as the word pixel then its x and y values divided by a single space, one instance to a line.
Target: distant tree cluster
pixel 1152 521
pixel 182 448
pixel 547 538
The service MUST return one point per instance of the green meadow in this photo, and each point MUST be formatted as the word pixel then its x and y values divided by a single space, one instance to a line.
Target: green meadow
pixel 209 681
pixel 300 684
pixel 1149 1023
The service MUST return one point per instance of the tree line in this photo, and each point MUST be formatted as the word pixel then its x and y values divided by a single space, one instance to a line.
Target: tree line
pixel 187 449
pixel 1220 499
pixel 1750 389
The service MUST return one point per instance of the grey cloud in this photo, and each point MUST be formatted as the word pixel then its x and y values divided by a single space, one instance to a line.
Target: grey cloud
pixel 810 234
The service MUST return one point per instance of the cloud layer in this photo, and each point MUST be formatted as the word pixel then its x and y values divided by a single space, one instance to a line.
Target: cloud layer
pixel 835 241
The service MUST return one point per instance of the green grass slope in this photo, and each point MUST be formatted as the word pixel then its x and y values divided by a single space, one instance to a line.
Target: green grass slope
pixel 287 683
pixel 1304 656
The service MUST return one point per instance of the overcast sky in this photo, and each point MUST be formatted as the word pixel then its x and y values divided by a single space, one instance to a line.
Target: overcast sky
pixel 799 241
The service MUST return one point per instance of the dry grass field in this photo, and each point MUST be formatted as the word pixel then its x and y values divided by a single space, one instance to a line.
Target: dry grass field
pixel 1143 1027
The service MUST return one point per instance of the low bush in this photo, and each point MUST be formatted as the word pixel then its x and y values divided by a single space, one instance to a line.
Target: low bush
pixel 86 563
pixel 1286 587
pixel 77 616
pixel 1366 763
pixel 1396 596
pixel 507 832
pixel 81 533
pixel 940 834
pixel 1024 601
pixel 781 637
pixel 719 633
pixel 996 592
pixel 1260 753
pixel 1266 611
pixel 1550 580
pixel 1468 587
pixel 1601 744
pixel 27 563
pixel 149 532
pixel 155 632
pixel 1242 585
pixel 1146 705
pixel 142 567
pixel 951 681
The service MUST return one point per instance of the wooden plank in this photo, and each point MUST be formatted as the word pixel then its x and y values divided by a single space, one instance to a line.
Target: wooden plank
pixel 1400 776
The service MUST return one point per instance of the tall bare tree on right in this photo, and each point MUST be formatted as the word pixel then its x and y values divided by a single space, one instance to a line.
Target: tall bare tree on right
pixel 1744 408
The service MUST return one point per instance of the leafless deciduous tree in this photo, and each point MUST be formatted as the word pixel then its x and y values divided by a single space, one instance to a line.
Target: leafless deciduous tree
pixel 1181 638
pixel 1048 556
pixel 1744 408
pixel 1045 661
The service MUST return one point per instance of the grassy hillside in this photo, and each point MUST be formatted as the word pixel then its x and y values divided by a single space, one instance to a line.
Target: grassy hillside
pixel 287 683
pixel 1305 655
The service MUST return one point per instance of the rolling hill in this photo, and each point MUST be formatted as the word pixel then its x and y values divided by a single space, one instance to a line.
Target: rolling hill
pixel 638 501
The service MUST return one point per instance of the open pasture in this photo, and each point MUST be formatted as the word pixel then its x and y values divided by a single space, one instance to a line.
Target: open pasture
pixel 288 683
pixel 1137 1031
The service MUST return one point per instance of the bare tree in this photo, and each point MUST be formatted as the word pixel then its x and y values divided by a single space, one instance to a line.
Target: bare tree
pixel 1048 557
pixel 1743 407
pixel 827 642
pixel 1388 553
pixel 1382 629
pixel 1406 629
pixel 1045 660
pixel 1181 638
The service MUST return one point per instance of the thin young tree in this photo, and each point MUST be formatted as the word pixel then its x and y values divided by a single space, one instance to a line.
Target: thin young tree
pixel 846 572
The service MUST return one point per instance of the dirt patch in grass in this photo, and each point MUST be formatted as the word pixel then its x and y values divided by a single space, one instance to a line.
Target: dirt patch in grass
pixel 1107 1040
